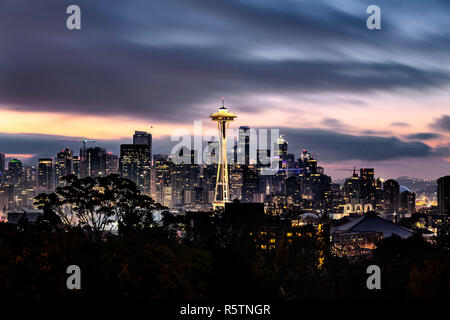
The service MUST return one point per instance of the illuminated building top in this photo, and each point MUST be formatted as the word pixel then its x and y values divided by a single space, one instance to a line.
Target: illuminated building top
pixel 223 114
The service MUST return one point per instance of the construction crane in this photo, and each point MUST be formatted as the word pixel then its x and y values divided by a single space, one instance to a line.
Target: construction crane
pixel 83 140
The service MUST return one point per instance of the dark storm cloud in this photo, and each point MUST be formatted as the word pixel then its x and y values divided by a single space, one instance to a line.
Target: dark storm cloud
pixel 162 59
pixel 423 136
pixel 442 123
pixel 334 146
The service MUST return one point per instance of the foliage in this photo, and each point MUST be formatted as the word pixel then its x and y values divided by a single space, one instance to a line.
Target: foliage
pixel 100 203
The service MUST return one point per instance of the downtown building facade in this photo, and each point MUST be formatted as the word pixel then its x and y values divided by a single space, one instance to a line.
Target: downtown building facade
pixel 136 160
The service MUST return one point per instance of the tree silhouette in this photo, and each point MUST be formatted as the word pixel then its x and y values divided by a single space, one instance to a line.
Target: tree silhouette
pixel 100 204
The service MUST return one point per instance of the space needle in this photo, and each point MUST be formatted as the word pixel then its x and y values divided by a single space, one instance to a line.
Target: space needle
pixel 222 191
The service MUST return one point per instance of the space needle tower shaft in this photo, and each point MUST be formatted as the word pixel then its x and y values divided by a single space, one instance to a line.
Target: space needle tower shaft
pixel 222 190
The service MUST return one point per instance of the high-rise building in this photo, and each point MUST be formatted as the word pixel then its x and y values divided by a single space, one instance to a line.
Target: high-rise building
pixel 367 185
pixel 408 202
pixel 162 179
pixel 243 146
pixel 352 187
pixel 46 177
pixel 30 177
pixel 134 164
pixel 281 154
pixel 307 163
pixel 315 186
pixel 96 162
pixel 250 184
pixel 367 173
pixel 24 196
pixel 144 138
pixel 291 189
pixel 76 170
pixel 378 195
pixel 184 175
pixel 2 163
pixel 112 163
pixel 208 181
pixel 15 172
pixel 83 164
pixel 444 195
pixel 291 163
pixel 338 197
pixel 236 182
pixel 63 165
pixel 391 191
pixel 194 196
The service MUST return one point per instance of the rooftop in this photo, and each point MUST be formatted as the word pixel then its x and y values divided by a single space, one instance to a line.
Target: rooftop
pixel 373 223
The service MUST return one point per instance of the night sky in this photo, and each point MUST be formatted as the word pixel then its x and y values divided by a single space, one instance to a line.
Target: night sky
pixel 374 98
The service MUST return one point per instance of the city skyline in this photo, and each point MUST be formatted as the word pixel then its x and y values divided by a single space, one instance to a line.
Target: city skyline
pixel 338 171
pixel 383 103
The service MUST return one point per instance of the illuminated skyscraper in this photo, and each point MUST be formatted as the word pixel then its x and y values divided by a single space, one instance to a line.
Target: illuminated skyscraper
pixel 112 163
pixel 143 138
pixel 281 154
pixel 15 172
pixel 46 177
pixel 161 188
pixel 367 185
pixel 76 166
pixel 352 187
pixel 63 165
pixel 135 164
pixel 222 192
